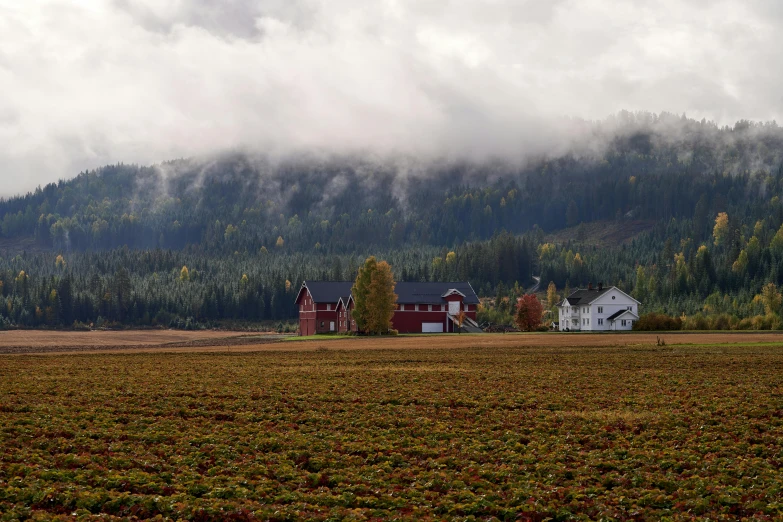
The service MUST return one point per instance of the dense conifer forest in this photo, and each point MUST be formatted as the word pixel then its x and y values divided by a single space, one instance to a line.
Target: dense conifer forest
pixel 197 242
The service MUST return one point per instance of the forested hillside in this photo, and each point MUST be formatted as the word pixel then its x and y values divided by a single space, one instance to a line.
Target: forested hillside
pixel 249 228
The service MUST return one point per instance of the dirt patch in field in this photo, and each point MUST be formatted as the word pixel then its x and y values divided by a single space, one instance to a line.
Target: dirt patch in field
pixel 22 341
pixel 175 341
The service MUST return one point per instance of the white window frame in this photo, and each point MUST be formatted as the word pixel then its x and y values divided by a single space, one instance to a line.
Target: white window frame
pixel 600 322
pixel 600 309
pixel 328 308
pixel 429 308
pixel 622 322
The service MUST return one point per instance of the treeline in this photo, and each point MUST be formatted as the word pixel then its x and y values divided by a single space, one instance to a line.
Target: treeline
pixel 191 287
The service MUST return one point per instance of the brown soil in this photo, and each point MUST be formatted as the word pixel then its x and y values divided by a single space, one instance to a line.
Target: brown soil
pixel 35 342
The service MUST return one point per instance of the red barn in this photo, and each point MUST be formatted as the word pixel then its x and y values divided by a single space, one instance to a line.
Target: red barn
pixel 317 302
pixel 421 307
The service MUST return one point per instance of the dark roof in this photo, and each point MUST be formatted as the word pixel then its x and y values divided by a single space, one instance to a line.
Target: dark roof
pixel 329 291
pixel 618 314
pixel 432 293
pixel 586 295
pixel 407 293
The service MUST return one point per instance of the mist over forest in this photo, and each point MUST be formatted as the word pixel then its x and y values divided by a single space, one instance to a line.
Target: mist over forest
pixel 230 237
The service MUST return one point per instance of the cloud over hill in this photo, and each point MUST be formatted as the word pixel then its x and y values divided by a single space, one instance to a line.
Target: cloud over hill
pixel 94 82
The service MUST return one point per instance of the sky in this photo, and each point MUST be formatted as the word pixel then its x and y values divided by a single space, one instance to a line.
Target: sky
pixel 85 83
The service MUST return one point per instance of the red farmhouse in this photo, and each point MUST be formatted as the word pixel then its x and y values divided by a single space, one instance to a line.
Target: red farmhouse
pixel 421 307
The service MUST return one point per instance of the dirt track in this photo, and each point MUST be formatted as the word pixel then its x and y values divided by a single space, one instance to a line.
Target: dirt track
pixel 39 342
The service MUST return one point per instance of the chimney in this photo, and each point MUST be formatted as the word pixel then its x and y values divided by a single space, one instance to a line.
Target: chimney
pixel 600 287
pixel 589 286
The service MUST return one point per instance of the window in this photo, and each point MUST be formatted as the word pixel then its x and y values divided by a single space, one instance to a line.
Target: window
pixel 613 297
pixel 322 324
pixel 573 309
pixel 628 308
pixel 467 308
pixel 600 309
pixel 429 308
pixel 600 322
pixel 623 322
pixel 328 307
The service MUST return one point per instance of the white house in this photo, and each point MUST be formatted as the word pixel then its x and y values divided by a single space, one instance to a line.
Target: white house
pixel 598 309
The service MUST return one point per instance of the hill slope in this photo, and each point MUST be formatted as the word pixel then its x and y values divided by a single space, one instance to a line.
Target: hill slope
pixel 682 213
pixel 654 169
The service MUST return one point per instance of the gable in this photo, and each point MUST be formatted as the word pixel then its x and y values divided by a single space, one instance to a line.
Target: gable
pixel 615 296
pixel 622 314
pixel 303 291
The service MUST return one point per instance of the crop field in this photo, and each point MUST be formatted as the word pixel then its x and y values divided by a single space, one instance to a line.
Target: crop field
pixel 408 430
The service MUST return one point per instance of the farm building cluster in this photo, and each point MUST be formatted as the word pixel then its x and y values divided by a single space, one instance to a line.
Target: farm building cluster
pixel 326 307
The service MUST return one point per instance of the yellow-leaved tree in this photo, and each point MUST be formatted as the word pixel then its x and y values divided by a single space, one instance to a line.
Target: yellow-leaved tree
pixel 721 229
pixel 770 298
pixel 551 296
pixel 374 297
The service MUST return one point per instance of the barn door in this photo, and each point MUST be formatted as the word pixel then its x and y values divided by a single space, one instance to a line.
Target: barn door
pixel 454 307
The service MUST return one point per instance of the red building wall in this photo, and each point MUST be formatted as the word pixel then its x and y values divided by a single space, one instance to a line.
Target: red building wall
pixel 315 318
pixel 410 320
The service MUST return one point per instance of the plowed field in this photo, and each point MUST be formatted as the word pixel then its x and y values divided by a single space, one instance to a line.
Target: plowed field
pixel 20 342
pixel 495 428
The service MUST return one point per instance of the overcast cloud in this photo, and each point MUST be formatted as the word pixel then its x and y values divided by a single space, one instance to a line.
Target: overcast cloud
pixel 84 83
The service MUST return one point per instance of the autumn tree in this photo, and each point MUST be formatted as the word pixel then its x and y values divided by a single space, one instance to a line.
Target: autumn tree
pixel 184 274
pixel 529 313
pixel 551 296
pixel 770 298
pixel 374 297
pixel 460 319
pixel 721 229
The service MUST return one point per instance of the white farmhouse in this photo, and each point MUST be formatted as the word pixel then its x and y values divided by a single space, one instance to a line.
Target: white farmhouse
pixel 598 309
